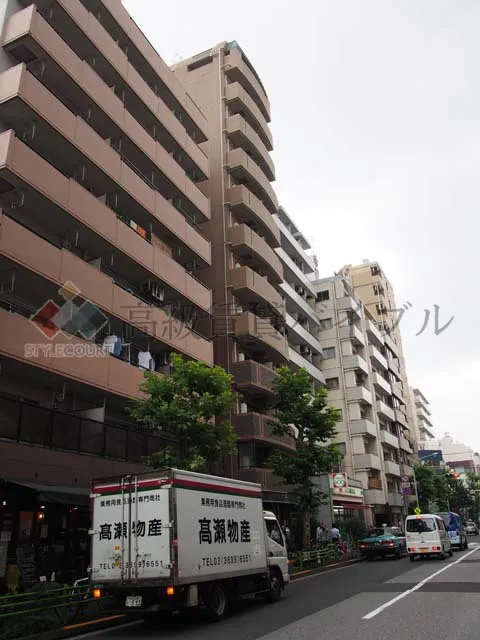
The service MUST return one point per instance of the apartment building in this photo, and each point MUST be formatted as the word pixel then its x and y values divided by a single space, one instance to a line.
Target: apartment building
pixel 375 443
pixel 101 202
pixel 303 323
pixel 422 417
pixel 249 314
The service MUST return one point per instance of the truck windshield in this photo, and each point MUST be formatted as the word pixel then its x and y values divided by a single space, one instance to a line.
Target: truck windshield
pixel 273 531
pixel 421 525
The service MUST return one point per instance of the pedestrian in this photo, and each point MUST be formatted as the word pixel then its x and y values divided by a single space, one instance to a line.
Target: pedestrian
pixel 320 537
pixel 335 534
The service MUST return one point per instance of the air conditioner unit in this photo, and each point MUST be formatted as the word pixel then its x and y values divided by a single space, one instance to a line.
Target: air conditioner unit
pixel 304 350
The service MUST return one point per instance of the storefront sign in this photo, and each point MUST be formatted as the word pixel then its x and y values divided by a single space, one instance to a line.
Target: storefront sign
pixel 339 480
pixel 348 491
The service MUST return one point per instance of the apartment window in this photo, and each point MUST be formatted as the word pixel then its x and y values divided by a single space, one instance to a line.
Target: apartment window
pixel 377 289
pixel 323 295
pixel 326 323
pixel 375 270
pixel 332 384
pixel 328 353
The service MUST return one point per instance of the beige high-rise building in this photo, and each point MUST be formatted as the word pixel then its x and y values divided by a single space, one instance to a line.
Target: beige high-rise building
pixel 377 294
pixel 422 417
pixel 372 430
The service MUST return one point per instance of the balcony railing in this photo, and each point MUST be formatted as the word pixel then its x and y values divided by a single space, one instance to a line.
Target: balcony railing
pixel 29 423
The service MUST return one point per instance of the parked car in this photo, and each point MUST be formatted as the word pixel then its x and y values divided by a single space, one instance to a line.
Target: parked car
pixel 383 542
pixel 471 528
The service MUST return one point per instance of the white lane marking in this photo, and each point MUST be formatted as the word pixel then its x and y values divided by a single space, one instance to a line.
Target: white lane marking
pixel 117 627
pixel 418 586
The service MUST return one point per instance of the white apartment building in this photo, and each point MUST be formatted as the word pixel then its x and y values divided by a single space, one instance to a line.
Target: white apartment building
pixel 362 385
pixel 421 415
pixel 299 293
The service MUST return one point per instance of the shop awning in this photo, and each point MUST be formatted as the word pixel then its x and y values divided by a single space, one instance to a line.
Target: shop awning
pixel 351 505
pixel 59 494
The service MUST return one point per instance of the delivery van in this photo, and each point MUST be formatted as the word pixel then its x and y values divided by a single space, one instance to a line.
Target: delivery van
pixel 168 540
pixel 426 535
pixel 456 529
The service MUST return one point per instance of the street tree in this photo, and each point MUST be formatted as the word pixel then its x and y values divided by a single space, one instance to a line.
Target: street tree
pixel 425 477
pixel 192 406
pixel 312 421
pixel 473 485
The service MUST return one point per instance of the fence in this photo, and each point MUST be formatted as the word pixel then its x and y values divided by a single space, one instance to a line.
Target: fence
pixel 322 556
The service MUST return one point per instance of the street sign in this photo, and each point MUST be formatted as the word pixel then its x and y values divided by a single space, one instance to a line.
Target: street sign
pixel 405 479
pixel 407 491
pixel 417 511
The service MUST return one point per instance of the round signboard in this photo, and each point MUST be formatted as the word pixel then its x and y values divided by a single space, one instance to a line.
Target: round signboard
pixel 339 480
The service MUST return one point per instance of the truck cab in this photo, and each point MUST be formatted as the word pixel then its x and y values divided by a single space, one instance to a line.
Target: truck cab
pixel 276 545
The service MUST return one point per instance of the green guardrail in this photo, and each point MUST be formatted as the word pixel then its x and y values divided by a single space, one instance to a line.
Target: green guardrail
pixel 320 556
pixel 47 606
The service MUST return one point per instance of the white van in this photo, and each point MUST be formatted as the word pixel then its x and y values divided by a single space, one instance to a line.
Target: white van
pixel 427 535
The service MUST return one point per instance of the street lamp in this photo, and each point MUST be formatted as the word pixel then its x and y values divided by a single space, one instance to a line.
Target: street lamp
pixel 431 455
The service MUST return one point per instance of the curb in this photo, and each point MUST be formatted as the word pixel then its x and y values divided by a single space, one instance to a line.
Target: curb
pixel 327 567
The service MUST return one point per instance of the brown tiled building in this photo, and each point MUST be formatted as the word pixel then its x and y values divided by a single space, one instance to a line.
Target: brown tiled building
pixel 101 201
pixel 249 319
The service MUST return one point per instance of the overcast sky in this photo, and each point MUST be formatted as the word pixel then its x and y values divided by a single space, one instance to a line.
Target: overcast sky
pixel 376 125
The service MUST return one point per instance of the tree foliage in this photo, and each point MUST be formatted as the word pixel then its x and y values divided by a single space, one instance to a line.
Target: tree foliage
pixel 192 404
pixel 308 416
pixel 435 487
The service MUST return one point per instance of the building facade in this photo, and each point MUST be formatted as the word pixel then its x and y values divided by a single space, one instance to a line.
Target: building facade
pixel 421 415
pixel 372 431
pixel 302 321
pixel 247 278
pixel 101 202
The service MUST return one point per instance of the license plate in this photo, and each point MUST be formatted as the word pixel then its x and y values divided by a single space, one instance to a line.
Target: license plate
pixel 423 548
pixel 133 601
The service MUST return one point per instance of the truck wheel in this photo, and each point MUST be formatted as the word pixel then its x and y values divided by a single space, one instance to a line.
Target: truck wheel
pixel 275 591
pixel 216 601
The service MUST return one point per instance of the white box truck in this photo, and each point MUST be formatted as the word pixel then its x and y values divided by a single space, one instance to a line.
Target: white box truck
pixel 167 540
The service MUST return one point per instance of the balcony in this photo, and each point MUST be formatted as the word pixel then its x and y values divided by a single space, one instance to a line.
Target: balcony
pixel 397 390
pixel 296 273
pixel 298 302
pixel 32 424
pixel 249 246
pixel 295 246
pixel 405 445
pixel 239 101
pixel 355 362
pixel 255 426
pixel 385 410
pixel 245 170
pixel 373 331
pixel 99 369
pixel 401 418
pixel 374 497
pixel 378 359
pixel 352 333
pixel 56 266
pixel 253 377
pixel 382 384
pixel 66 205
pixel 395 499
pixel 299 335
pixel 244 136
pixel 262 476
pixel 425 431
pixel 393 365
pixel 261 337
pixel 386 437
pixel 297 360
pixel 248 209
pixel 27 29
pixel 391 468
pixel 359 394
pixel 391 344
pixel 74 148
pixel 347 303
pixel 366 461
pixel 147 61
pixel 250 288
pixel 363 428
pixel 238 70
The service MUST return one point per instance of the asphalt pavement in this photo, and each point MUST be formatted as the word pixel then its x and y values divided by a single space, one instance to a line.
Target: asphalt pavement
pixel 430 599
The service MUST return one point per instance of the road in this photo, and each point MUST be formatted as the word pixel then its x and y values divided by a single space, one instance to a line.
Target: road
pixel 429 600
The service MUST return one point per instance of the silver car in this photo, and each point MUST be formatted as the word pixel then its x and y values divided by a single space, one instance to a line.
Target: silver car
pixel 471 528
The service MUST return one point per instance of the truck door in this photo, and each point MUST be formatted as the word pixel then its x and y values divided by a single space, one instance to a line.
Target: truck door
pixel 131 531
